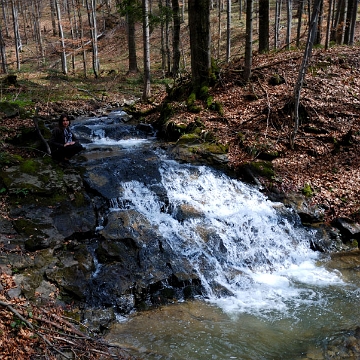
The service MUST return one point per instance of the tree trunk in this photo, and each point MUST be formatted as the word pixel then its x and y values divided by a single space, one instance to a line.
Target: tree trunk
pixel 53 16
pixel 249 40
pixel 353 22
pixel 133 68
pixel 16 33
pixel 81 34
pixel 300 14
pixel 263 26
pixel 3 53
pixel 303 68
pixel 176 38
pixel 277 23
pixel 200 41
pixel 167 38
pixel 328 25
pixel 62 42
pixel 228 30
pixel 219 34
pixel 91 9
pixel 289 23
pixel 146 36
pixel 318 37
pixel 351 13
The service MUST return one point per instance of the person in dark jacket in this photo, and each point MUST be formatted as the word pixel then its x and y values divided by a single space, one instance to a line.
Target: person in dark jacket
pixel 63 142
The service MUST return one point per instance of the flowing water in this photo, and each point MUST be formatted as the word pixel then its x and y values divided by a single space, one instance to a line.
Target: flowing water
pixel 268 296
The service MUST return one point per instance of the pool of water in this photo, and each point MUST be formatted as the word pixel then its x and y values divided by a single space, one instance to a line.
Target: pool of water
pixel 303 328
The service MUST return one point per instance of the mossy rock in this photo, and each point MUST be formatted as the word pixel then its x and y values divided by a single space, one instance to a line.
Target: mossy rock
pixel 191 139
pixel 9 109
pixel 215 148
pixel 263 168
pixel 173 131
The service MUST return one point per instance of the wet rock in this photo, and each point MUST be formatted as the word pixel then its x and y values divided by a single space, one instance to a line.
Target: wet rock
pixel 349 230
pixel 99 319
pixel 72 272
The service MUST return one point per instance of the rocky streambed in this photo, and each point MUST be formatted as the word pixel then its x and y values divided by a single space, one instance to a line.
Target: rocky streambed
pixel 62 243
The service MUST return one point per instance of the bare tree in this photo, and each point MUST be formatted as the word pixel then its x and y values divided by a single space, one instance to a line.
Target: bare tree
pixel 328 24
pixel 249 39
pixel 176 37
pixel 289 23
pixel 3 53
pixel 277 23
pixel 5 18
pixel 37 30
pixel 200 40
pixel 228 30
pixel 264 25
pixel 62 40
pixel 81 35
pixel 146 36
pixel 303 68
pixel 91 10
pixel 300 12
pixel 53 16
pixel 17 38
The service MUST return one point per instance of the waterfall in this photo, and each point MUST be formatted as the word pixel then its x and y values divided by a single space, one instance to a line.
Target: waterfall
pixel 251 254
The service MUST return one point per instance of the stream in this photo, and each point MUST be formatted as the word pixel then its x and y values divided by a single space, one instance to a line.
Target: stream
pixel 266 294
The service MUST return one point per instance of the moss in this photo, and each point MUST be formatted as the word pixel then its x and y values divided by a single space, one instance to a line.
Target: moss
pixel 7 159
pixel 29 167
pixel 263 168
pixel 219 107
pixel 29 228
pixel 166 113
pixel 204 92
pixel 307 190
pixel 216 148
pixel 189 139
pixel 79 199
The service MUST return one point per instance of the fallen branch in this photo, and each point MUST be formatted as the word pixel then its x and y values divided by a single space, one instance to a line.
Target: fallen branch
pixel 30 325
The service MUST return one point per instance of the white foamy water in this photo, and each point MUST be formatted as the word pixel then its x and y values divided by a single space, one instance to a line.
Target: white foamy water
pixel 249 258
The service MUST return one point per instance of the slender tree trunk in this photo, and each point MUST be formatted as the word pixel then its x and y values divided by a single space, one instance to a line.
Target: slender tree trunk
pixel 249 40
pixel 53 16
pixel 328 24
pixel 353 23
pixel 219 34
pixel 81 27
pixel 133 68
pixel 277 23
pixel 176 38
pixel 62 41
pixel 146 36
pixel 72 32
pixel 264 25
pixel 303 68
pixel 162 37
pixel 349 20
pixel 318 37
pixel 167 38
pixel 91 9
pixel 5 18
pixel 289 23
pixel 300 15
pixel 3 53
pixel 17 38
pixel 228 30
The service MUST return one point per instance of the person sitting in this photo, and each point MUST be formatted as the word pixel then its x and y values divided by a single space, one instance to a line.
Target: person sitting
pixel 63 143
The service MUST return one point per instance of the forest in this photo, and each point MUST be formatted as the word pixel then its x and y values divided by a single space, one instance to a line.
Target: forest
pixel 275 83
